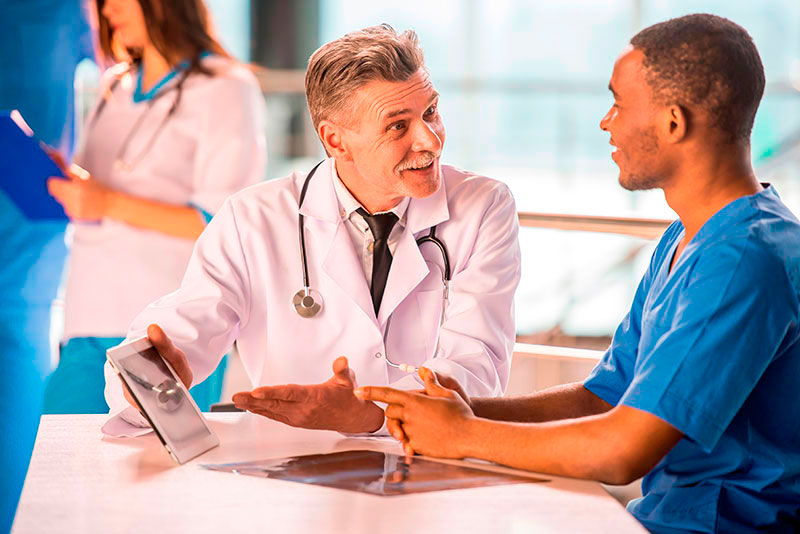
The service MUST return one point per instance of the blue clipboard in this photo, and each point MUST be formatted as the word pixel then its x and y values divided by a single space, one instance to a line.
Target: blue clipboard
pixel 24 170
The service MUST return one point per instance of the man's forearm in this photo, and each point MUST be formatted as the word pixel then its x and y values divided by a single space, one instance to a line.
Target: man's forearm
pixel 557 448
pixel 560 402
pixel 615 447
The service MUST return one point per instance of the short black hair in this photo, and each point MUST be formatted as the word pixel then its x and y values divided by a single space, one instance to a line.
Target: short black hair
pixel 708 62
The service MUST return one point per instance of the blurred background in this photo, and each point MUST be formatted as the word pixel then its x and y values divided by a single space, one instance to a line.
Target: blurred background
pixel 523 87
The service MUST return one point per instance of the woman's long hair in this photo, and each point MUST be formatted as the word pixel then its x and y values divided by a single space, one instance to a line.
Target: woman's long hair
pixel 178 29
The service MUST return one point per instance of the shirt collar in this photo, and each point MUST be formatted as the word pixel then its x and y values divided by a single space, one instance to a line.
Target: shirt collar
pixel 348 203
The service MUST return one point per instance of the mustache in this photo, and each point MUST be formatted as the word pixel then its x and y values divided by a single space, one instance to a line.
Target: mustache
pixel 423 159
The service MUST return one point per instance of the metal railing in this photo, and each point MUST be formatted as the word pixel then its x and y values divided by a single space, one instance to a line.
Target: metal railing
pixel 630 226
pixel 530 350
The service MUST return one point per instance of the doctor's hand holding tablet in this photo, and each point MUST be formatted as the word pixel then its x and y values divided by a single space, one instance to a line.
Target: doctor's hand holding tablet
pixel 329 405
pixel 171 354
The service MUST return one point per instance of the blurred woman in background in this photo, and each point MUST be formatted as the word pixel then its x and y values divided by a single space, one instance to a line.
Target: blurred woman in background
pixel 178 128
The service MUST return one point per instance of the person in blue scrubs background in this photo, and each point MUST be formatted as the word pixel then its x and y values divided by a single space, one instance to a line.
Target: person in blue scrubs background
pixel 41 44
pixel 698 391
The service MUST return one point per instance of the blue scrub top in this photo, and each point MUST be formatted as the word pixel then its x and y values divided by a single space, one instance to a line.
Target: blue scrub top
pixel 713 348
pixel 41 44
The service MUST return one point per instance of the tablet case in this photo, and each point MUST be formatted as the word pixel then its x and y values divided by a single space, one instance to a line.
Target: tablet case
pixel 24 170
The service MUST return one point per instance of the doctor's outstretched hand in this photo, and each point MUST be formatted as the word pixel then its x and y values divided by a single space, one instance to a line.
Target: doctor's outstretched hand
pixel 327 406
pixel 433 422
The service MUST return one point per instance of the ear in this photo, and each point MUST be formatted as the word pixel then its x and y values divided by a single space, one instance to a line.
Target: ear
pixel 676 123
pixel 333 139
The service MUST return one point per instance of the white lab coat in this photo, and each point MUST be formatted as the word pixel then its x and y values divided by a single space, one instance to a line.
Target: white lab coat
pixel 246 267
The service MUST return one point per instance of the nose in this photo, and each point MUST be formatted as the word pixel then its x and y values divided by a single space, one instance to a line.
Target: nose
pixel 606 120
pixel 426 139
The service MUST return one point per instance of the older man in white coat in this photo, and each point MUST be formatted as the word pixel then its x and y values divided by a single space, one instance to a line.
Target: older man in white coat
pixel 380 300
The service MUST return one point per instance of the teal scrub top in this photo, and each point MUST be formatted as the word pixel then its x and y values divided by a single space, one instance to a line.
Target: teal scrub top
pixel 713 349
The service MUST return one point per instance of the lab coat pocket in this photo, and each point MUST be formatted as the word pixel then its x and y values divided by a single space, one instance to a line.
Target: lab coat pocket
pixel 430 317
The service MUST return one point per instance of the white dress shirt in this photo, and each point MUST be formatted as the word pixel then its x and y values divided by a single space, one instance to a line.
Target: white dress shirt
pixel 357 227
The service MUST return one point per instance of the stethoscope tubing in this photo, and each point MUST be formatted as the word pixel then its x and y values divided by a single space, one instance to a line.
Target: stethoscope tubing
pixel 301 227
pixel 123 149
pixel 430 238
pixel 306 291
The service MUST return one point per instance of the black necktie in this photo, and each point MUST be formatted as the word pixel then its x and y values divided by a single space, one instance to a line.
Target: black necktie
pixel 381 226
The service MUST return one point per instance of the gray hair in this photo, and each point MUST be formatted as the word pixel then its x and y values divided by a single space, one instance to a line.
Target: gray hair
pixel 339 68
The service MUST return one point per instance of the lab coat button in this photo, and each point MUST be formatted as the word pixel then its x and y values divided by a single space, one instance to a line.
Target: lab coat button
pixel 378 354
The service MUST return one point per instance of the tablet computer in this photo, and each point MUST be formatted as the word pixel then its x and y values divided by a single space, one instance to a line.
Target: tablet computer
pixel 163 399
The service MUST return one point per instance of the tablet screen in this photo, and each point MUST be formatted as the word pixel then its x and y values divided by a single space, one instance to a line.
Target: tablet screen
pixel 162 398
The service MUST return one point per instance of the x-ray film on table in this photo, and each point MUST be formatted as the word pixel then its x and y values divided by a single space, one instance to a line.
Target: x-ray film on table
pixel 372 472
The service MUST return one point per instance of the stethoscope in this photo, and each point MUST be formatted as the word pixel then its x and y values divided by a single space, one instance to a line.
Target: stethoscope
pixel 308 302
pixel 169 396
pixel 120 163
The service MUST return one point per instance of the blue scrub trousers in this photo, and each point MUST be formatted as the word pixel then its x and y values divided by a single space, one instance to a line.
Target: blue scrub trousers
pixel 77 385
pixel 24 364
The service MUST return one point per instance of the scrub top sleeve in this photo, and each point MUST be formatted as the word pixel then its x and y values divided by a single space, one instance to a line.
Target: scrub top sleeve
pixel 477 336
pixel 231 152
pixel 613 374
pixel 204 315
pixel 697 366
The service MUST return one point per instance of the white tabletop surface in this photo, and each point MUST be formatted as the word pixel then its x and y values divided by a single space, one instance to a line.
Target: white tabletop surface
pixel 80 481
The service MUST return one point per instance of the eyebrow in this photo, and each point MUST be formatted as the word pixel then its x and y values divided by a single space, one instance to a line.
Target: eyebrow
pixel 611 88
pixel 403 111
pixel 397 112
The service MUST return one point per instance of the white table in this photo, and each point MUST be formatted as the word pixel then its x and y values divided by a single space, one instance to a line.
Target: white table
pixel 78 482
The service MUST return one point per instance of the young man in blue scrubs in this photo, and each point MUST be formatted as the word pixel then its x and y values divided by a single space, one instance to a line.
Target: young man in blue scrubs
pixel 698 391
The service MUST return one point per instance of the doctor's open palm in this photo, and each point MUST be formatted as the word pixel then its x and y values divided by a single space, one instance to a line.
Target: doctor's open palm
pixel 330 405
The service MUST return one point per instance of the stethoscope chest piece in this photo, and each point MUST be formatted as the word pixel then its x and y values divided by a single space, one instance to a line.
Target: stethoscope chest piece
pixel 169 396
pixel 307 303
